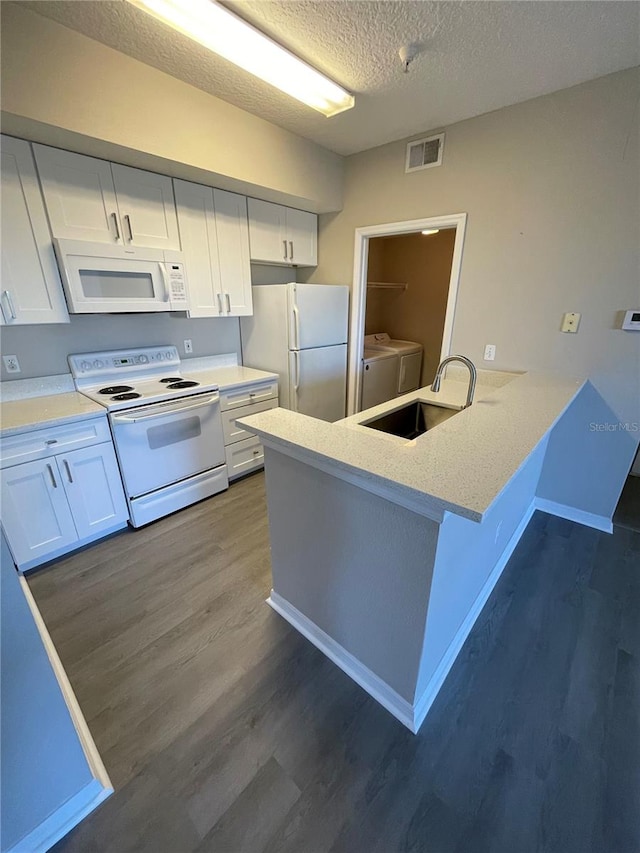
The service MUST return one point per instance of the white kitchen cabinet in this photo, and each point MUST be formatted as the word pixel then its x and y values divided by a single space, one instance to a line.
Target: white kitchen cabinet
pixel 215 243
pixel 243 450
pixel 233 249
pixel 31 288
pixel 36 515
pixel 147 208
pixel 282 235
pixel 91 199
pixel 58 501
pixel 93 488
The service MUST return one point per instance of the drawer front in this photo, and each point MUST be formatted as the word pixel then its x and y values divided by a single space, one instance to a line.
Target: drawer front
pixel 233 432
pixel 244 456
pixel 239 397
pixel 40 443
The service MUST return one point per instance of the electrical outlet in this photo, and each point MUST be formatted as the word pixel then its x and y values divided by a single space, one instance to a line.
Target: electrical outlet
pixel 188 347
pixel 490 352
pixel 570 322
pixel 11 363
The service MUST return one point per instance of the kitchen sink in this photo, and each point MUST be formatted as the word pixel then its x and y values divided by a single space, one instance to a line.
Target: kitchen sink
pixel 413 420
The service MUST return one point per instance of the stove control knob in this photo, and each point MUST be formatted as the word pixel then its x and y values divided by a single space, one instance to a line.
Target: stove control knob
pixel 143 359
pixel 84 365
pixel 167 354
pixel 98 364
pixel 160 356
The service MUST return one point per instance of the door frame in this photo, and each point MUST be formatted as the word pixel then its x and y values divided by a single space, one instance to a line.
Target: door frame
pixel 359 291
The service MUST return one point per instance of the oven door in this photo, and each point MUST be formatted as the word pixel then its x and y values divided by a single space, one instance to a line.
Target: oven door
pixel 164 443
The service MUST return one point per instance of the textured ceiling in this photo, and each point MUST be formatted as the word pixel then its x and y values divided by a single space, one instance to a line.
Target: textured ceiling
pixel 474 56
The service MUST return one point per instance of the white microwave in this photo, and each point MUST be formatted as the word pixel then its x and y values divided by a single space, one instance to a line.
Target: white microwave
pixel 103 279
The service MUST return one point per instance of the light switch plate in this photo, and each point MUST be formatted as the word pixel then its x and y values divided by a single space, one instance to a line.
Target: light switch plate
pixel 490 352
pixel 570 323
pixel 188 346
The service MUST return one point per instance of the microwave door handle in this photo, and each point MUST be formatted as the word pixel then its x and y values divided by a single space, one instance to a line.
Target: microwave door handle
pixel 118 419
pixel 165 281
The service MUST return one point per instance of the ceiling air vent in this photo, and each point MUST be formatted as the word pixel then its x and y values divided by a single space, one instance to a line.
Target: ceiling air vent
pixel 424 153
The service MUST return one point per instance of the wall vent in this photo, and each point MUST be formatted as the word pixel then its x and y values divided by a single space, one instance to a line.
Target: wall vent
pixel 424 153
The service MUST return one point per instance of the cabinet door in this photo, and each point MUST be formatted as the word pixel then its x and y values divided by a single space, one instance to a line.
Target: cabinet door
pixel 197 223
pixel 31 287
pixel 147 208
pixel 233 251
pixel 79 195
pixel 93 487
pixel 302 229
pixel 268 232
pixel 36 516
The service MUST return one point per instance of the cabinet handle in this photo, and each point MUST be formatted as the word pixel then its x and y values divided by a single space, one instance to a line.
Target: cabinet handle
pixel 12 310
pixel 51 441
pixel 228 298
pixel 127 219
pixel 219 297
pixel 53 479
pixel 291 252
pixel 67 466
pixel 256 452
pixel 284 243
pixel 116 226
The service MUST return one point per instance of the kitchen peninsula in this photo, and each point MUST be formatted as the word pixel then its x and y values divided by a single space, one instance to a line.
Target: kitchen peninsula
pixel 384 549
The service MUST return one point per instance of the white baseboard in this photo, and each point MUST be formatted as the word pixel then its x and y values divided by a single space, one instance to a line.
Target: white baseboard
pixel 368 680
pixel 422 705
pixel 589 519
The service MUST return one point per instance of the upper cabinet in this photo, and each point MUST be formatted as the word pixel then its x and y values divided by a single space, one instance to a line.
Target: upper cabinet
pixel 282 235
pixel 92 199
pixel 215 242
pixel 31 289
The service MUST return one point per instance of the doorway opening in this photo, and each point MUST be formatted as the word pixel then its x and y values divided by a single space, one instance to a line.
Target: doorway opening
pixel 404 295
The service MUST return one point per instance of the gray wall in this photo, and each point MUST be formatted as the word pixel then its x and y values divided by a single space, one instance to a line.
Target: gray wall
pixel 551 187
pixel 356 565
pixel 43 764
pixel 43 350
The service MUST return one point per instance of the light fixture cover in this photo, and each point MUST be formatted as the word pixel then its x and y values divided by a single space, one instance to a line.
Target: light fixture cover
pixel 219 30
pixel 431 231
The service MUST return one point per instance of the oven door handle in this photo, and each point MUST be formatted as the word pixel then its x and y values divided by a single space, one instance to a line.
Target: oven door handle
pixel 124 419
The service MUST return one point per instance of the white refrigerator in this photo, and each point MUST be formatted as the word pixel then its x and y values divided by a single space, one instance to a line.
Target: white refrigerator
pixel 299 331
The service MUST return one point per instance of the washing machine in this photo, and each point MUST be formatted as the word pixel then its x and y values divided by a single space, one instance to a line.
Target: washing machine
pixel 409 359
pixel 379 377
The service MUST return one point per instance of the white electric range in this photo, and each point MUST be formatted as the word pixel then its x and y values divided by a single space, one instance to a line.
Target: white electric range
pixel 166 427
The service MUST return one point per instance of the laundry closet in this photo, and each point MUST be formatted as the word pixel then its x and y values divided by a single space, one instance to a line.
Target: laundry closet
pixel 408 277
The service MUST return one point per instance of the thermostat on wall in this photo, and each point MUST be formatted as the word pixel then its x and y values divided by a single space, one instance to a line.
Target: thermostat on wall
pixel 631 320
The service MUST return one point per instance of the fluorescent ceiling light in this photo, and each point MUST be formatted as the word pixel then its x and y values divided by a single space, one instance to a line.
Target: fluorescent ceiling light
pixel 224 33
pixel 431 231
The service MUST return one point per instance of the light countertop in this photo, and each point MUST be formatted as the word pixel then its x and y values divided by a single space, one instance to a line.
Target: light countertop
pixel 49 410
pixel 233 376
pixel 38 411
pixel 461 466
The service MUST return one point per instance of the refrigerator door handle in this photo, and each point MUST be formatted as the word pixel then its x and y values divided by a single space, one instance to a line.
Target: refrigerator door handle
pixel 296 381
pixel 296 326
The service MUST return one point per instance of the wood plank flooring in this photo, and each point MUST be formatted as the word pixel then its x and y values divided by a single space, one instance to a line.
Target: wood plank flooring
pixel 225 731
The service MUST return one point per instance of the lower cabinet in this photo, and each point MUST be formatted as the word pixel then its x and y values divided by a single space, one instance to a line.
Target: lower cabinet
pixel 243 450
pixel 51 505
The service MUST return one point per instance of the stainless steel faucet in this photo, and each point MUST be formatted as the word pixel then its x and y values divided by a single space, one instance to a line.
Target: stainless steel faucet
pixel 473 375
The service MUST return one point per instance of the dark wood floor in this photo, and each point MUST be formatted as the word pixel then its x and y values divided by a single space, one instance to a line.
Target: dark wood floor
pixel 225 731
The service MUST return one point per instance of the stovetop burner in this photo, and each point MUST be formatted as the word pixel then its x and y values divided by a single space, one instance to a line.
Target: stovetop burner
pixel 172 379
pixel 130 395
pixel 183 383
pixel 116 389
